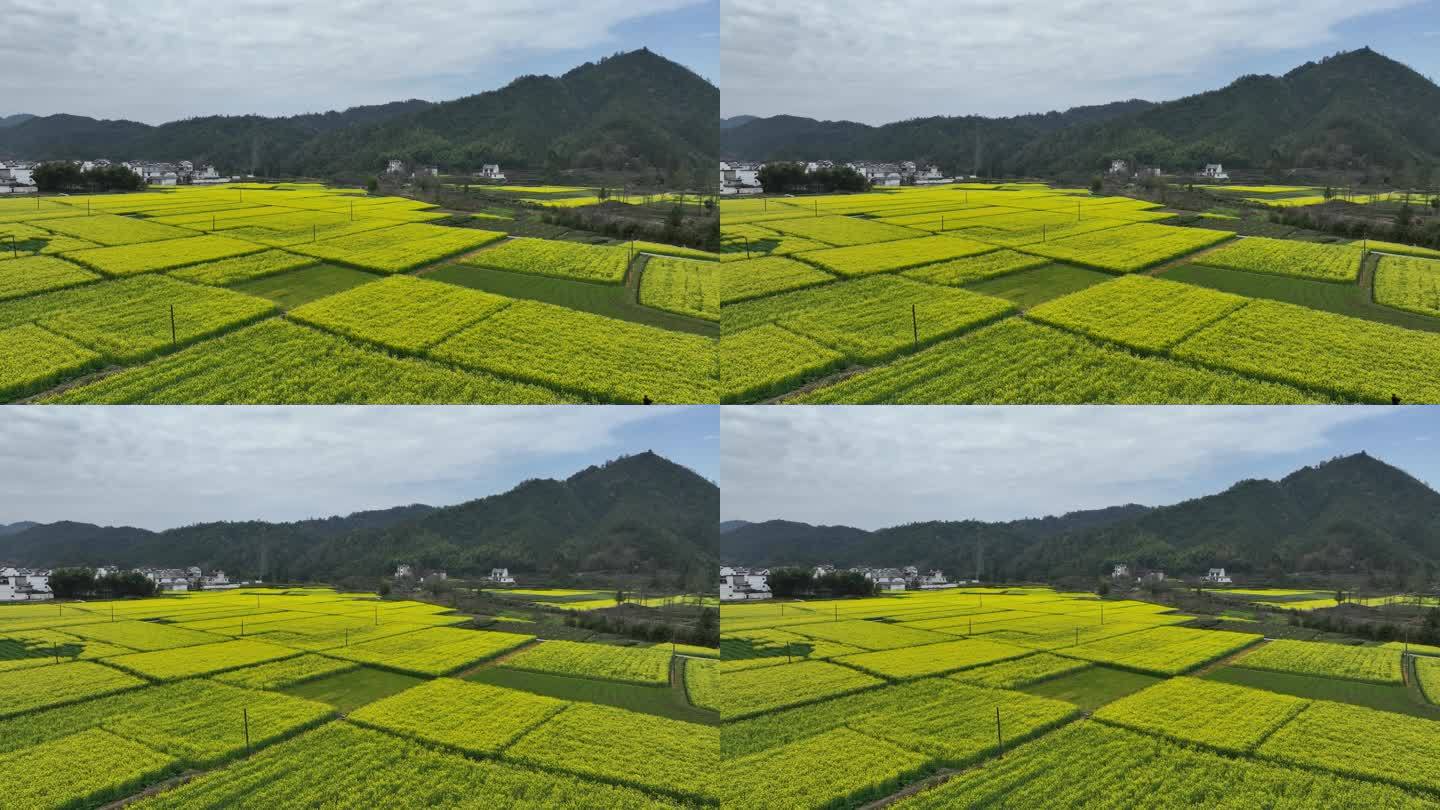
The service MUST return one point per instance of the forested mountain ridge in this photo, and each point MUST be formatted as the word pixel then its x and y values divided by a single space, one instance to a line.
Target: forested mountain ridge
pixel 1354 110
pixel 638 515
pixel 1350 514
pixel 634 111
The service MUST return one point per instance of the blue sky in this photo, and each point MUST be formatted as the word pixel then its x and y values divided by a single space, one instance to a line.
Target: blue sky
pixel 880 466
pixel 160 60
pixel 845 59
pixel 159 467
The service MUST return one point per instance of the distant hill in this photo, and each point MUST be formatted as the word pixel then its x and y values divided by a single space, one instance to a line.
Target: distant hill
pixel 1354 110
pixel 637 515
pixel 16 528
pixel 14 120
pixel 1350 514
pixel 632 111
pixel 732 525
pixel 736 121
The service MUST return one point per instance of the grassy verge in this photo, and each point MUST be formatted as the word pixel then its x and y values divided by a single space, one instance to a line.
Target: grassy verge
pixel 610 300
pixel 662 701
pixel 1353 300
pixel 297 287
pixel 1374 696
pixel 1036 286
pixel 1094 687
pixel 349 691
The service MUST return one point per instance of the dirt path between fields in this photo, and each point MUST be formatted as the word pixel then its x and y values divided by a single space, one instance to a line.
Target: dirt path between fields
pixel 490 662
pixel 822 382
pixel 172 782
pixel 1189 257
pixel 1228 660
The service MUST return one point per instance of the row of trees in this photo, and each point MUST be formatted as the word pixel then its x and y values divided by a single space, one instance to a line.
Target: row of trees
pixel 73 583
pixel 704 631
pixel 783 178
pixel 1406 226
pixel 788 582
pixel 66 176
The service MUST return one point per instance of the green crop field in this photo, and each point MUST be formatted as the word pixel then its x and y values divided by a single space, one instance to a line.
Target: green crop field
pixel 988 697
pixel 151 287
pixel 1219 336
pixel 316 688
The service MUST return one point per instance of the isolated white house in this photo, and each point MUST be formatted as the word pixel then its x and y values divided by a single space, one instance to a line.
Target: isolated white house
pixel 1119 167
pixel 491 171
pixel 24 585
pixel 740 584
pixel 395 167
pixel 404 572
pixel 1121 571
pixel 889 583
pixel 1217 576
pixel 1215 171
pixel 501 576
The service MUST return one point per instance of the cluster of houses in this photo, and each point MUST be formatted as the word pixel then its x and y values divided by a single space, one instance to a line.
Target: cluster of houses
pixel 176 579
pixel 1123 168
pixel 739 584
pixel 26 584
pixel 739 177
pixel 489 172
pixel 1121 572
pixel 183 173
pixel 17 176
pixel 498 576
pixel 908 578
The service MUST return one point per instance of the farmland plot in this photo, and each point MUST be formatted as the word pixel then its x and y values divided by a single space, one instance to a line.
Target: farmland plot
pixel 1089 764
pixel 884 257
pixel 471 717
pixel 1218 715
pixel 129 320
pixel 185 662
pixel 1283 257
pixel 931 659
pixel 35 688
pixel 753 691
pixel 871 319
pixel 842 231
pixel 130 260
pixel 33 274
pixel 627 748
pixel 1354 359
pixel 1409 284
pixel 278 362
pixel 1368 664
pixel 401 312
pixel 976 268
pixel 361 767
pixel 838 766
pixel 1019 362
pixel 1138 311
pixel 647 666
pixel 588 355
pixel 683 287
pixel 757 278
pixel 433 651
pixel 769 360
pixel 606 265
pixel 1355 741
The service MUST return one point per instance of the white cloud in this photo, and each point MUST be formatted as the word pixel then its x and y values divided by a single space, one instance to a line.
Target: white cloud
pixel 882 61
pixel 161 466
pixel 156 60
pixel 879 466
